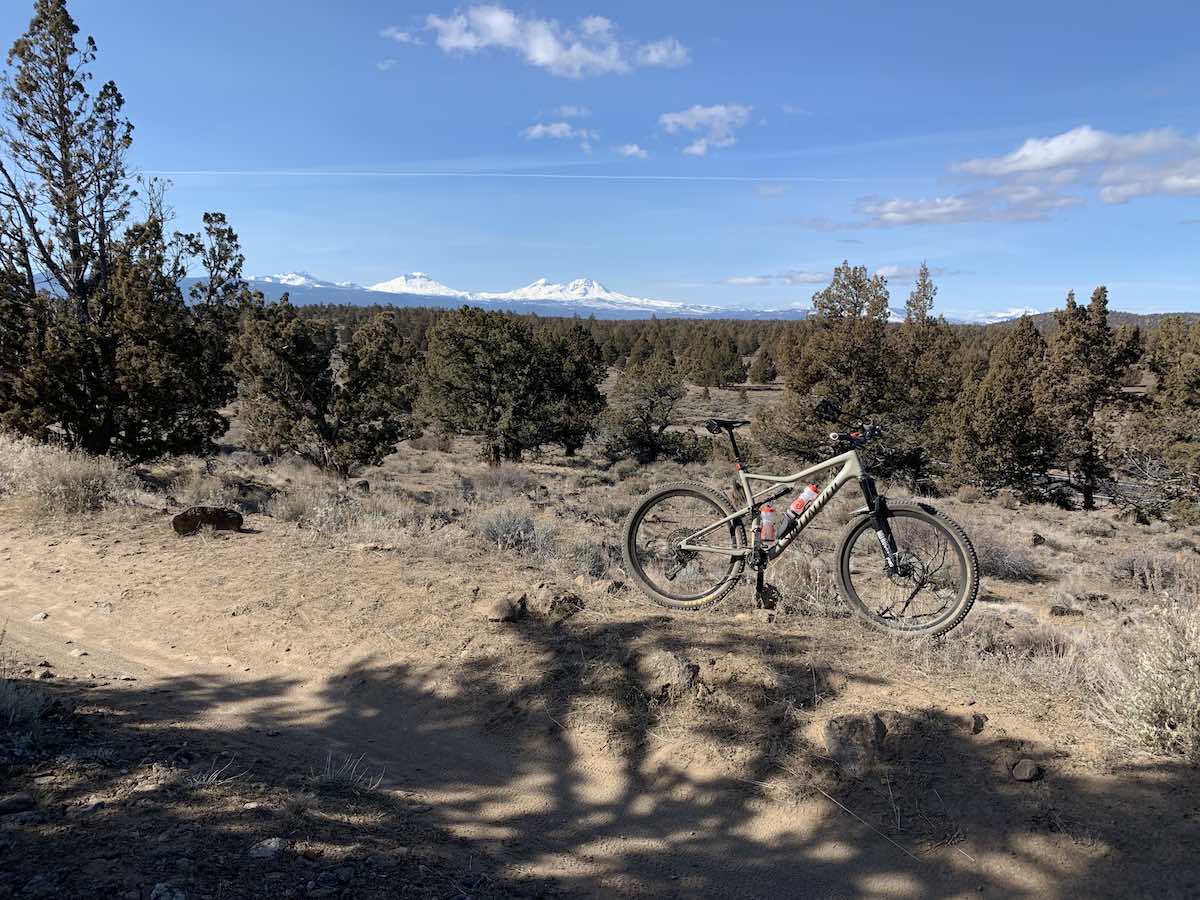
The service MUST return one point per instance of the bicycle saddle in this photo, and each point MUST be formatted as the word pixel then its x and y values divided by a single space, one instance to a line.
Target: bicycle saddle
pixel 716 426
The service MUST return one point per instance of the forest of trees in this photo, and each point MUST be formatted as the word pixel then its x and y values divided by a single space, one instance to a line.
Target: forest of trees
pixel 102 349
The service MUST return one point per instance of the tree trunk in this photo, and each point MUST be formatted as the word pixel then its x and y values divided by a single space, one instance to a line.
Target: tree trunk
pixel 493 455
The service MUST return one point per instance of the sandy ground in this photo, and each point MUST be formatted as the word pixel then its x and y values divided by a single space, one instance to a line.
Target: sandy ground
pixel 529 741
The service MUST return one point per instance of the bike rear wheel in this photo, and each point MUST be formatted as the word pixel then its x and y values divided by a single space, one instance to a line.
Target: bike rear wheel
pixel 670 575
pixel 937 578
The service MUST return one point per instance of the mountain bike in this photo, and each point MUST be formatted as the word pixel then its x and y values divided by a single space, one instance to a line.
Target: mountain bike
pixel 902 566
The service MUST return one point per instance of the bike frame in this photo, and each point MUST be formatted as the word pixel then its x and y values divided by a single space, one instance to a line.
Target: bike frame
pixel 850 469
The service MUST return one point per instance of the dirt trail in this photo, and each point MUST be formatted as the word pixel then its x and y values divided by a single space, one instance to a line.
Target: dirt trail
pixel 286 647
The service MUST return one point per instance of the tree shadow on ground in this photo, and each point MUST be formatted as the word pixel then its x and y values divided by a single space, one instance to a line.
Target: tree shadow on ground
pixel 568 779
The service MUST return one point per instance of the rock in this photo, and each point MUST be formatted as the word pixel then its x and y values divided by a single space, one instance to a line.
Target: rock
pixel 39 617
pixel 16 803
pixel 1036 539
pixel 191 520
pixel 163 891
pixel 664 675
pixel 505 609
pixel 854 741
pixel 1059 610
pixel 44 664
pixel 553 603
pixel 978 720
pixel 78 653
pixel 271 848
pixel 1027 770
pixel 44 673
pixel 362 486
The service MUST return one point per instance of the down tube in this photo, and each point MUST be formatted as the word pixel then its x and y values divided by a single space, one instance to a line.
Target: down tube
pixel 811 511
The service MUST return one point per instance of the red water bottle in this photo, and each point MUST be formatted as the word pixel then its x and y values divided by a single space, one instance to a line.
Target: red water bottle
pixel 797 506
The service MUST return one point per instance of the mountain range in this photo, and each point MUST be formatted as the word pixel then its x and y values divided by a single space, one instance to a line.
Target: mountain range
pixel 582 297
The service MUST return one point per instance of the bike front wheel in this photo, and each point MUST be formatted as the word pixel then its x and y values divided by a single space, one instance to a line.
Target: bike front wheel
pixel 934 584
pixel 676 577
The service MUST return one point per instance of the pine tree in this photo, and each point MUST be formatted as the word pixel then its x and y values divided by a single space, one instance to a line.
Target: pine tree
pixel 1001 439
pixel 841 353
pixel 924 385
pixel 1085 364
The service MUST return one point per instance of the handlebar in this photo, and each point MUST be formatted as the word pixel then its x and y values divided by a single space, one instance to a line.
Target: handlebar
pixel 857 438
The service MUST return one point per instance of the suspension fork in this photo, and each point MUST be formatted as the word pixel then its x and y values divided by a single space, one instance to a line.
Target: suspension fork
pixel 880 520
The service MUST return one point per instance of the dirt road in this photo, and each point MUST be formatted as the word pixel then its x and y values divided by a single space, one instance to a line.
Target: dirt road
pixel 526 739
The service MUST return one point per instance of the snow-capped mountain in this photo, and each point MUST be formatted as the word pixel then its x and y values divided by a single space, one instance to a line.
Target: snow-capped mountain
pixel 305 280
pixel 417 283
pixel 583 296
pixel 590 294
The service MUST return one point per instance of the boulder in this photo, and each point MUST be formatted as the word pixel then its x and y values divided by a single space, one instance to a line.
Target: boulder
pixel 1059 609
pixel 1027 770
pixel 268 849
pixel 505 609
pixel 191 520
pixel 664 675
pixel 854 741
pixel 553 603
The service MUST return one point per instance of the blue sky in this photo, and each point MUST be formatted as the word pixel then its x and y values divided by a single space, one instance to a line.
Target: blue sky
pixel 701 152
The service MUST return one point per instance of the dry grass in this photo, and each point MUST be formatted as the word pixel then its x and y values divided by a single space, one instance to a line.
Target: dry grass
pixel 349 775
pixel 1001 555
pixel 55 481
pixel 514 527
pixel 21 701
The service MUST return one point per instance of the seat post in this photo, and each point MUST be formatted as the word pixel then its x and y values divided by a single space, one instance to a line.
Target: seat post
pixel 737 454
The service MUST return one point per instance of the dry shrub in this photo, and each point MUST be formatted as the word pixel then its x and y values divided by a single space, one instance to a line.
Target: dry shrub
pixel 55 480
pixel 514 527
pixel 499 483
pixel 1093 527
pixel 1153 571
pixel 588 555
pixel 806 585
pixel 21 701
pixel 969 493
pixel 1154 703
pixel 431 440
pixel 1002 557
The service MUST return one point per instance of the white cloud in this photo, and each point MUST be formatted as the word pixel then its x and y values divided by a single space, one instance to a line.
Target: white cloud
pixel 385 64
pixel 560 131
pixel 632 150
pixel 591 49
pixel 571 111
pixel 1079 146
pixel 906 272
pixel 1005 203
pixel 667 53
pixel 399 36
pixel 1122 184
pixel 771 190
pixel 791 110
pixel 717 122
pixel 789 276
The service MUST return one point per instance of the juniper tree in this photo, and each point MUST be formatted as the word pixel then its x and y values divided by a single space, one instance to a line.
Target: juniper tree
pixel 100 349
pixel 1085 365
pixel 572 371
pixel 293 400
pixel 641 408
pixel 762 368
pixel 481 376
pixel 713 360
pixel 1001 438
